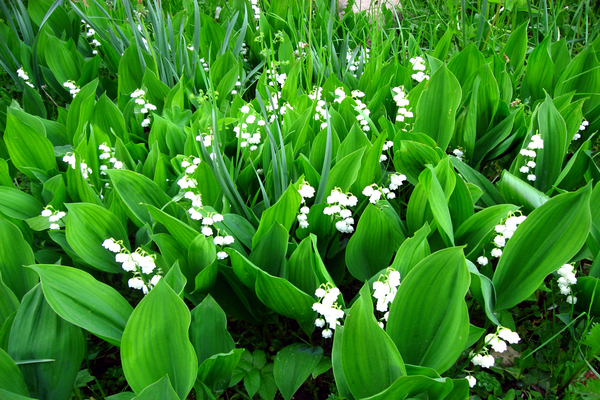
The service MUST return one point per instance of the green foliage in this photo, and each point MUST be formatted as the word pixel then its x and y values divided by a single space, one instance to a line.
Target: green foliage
pixel 257 156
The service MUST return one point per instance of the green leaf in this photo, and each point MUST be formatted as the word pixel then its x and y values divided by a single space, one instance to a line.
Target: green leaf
pixel 438 203
pixel 63 59
pixel 39 333
pixel 269 253
pixel 547 239
pixel 412 251
pixel 19 205
pixel 436 109
pixel 372 246
pixel 474 230
pixel 160 389
pixel 87 227
pixel 83 301
pixel 516 48
pixel 137 191
pixel 517 191
pixel 412 157
pixel 286 299
pixel 284 212
pixel 413 385
pixel 28 148
pixel 336 363
pixel 208 331
pixel 550 159
pixel 11 379
pixel 15 253
pixel 345 172
pixel 215 372
pixel 155 342
pixel 436 288
pixel 491 196
pixel 9 303
pixel 293 365
pixel 370 360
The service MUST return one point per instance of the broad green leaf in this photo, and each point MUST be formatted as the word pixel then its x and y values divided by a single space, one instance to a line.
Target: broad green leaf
pixel 553 131
pixel 516 47
pixel 160 389
pixel 137 191
pixel 38 333
pixel 588 295
pixel 301 267
pixel 372 246
pixel 82 300
pixel 6 395
pixel 518 192
pixel 483 291
pixel 284 212
pixel 80 111
pixel 491 195
pixel 412 251
pixel 474 230
pixel 63 59
pixel 215 372
pixel 87 227
pixel 438 203
pixel 208 331
pixel 9 303
pixel 11 379
pixel 17 204
pixel 109 118
pixel 28 148
pixel 269 253
pixel 370 360
pixel 336 364
pixel 15 254
pixel 547 239
pixel 410 386
pixel 156 342
pixel 539 74
pixel 436 288
pixel 344 173
pixel 436 109
pixel 412 157
pixel 293 365
pixel 286 299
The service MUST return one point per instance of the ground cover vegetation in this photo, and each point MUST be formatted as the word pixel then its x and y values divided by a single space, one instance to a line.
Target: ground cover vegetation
pixel 287 199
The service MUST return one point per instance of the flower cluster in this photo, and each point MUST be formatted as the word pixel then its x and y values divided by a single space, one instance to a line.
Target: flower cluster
pixel 459 153
pixel 89 32
pixel 338 203
pixel 276 78
pixel 142 264
pixel 385 289
pixel 85 170
pixel 256 9
pixel 53 216
pixel 273 106
pixel 248 130
pixel 496 341
pixel 300 50
pixel 219 240
pixel 374 192
pixel 328 308
pixel 386 146
pixel 108 153
pixel 321 113
pixel 530 154
pixel 354 63
pixel 306 192
pixel 505 231
pixel 402 103
pixel 187 182
pixel 145 107
pixel 418 64
pixel 21 74
pixel 73 88
pixel 567 278
pixel 361 109
pixel 582 127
